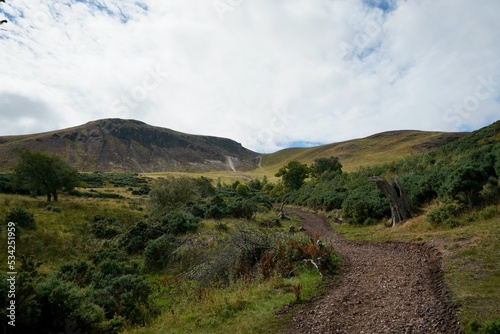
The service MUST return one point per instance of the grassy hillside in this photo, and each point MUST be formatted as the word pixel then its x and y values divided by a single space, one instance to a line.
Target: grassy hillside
pixel 378 149
pixel 131 146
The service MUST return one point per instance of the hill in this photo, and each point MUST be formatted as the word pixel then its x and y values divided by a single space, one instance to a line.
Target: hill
pixel 132 146
pixel 377 149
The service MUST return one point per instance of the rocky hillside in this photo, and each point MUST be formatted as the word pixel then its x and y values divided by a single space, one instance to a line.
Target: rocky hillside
pixel 133 146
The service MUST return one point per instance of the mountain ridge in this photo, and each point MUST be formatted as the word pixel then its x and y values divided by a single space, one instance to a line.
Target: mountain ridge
pixel 124 145
pixel 115 144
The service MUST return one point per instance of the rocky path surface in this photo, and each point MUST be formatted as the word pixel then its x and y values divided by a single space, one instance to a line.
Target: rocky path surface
pixel 384 288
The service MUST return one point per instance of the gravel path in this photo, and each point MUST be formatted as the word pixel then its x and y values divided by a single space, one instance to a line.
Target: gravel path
pixel 384 288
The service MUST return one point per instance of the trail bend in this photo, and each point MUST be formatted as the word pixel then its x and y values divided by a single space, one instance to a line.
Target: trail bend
pixel 392 287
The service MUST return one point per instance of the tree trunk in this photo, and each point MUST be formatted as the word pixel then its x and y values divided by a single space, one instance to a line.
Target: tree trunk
pixel 56 197
pixel 401 206
pixel 49 197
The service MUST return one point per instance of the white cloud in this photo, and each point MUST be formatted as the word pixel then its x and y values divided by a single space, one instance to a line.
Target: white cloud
pixel 265 73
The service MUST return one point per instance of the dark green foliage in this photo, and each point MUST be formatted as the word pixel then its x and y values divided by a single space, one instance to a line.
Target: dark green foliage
pixel 255 184
pixel 465 184
pixel 144 190
pixel 365 203
pixel 9 186
pixel 21 217
pixel 28 308
pixel 293 174
pixel 53 208
pixel 489 327
pixel 94 194
pixel 176 222
pixel 78 272
pixel 445 214
pixel 241 208
pixel 158 253
pixel 99 180
pixel 135 239
pixel 46 173
pixel 326 168
pixel 204 187
pixel 63 302
pixel 105 227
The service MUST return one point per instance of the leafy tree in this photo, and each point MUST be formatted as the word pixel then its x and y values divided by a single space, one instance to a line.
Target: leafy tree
pixel 326 167
pixel 172 193
pixel 293 174
pixel 46 173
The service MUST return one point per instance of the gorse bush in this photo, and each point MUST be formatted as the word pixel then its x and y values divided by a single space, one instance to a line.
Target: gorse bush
pixel 21 217
pixel 445 214
pixel 105 227
pixel 158 253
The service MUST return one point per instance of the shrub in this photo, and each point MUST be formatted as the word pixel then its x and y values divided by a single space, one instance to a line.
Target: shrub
pixel 465 183
pixel 53 208
pixel 365 202
pixel 488 212
pixel 144 190
pixel 242 208
pixel 21 217
pixel 105 227
pixel 158 253
pixel 135 239
pixel 445 214
pixel 172 193
pixel 176 222
pixel 63 302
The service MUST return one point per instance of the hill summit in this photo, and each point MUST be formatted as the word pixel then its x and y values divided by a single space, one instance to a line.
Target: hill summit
pixel 132 146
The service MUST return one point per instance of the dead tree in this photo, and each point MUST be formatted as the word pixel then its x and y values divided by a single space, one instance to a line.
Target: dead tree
pixel 282 215
pixel 401 206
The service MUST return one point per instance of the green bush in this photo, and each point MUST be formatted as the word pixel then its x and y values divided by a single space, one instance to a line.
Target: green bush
pixel 172 193
pixel 364 203
pixel 176 222
pixel 445 214
pixel 465 184
pixel 105 227
pixel 488 212
pixel 242 208
pixel 21 217
pixel 158 253
pixel 53 208
pixel 135 239
pixel 63 302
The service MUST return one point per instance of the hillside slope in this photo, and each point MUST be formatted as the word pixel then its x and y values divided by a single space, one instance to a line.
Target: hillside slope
pixel 377 149
pixel 133 146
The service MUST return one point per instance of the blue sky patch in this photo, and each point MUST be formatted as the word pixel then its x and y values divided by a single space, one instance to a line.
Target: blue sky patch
pixel 385 5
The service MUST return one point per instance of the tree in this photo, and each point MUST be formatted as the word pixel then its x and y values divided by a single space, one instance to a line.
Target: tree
pixel 293 174
pixel 326 167
pixel 401 206
pixel 45 173
pixel 172 193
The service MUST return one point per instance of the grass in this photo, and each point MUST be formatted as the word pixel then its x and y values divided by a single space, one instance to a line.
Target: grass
pixel 374 150
pixel 471 262
pixel 185 307
pixel 240 308
pixel 63 236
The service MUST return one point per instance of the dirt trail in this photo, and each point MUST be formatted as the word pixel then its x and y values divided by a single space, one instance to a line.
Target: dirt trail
pixel 384 288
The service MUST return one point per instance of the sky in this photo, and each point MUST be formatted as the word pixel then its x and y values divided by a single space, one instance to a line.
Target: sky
pixel 268 74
